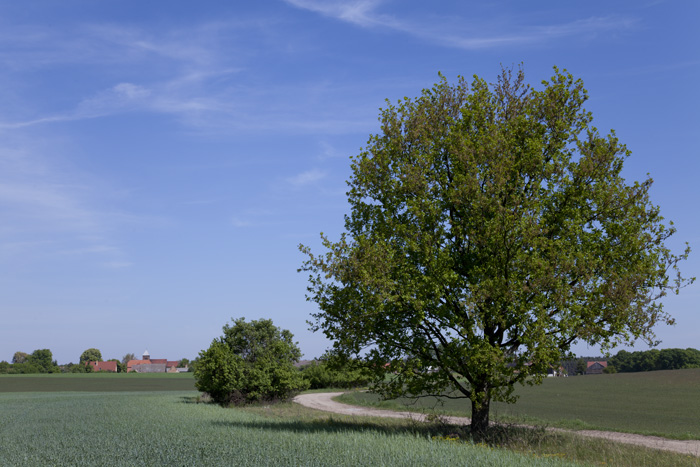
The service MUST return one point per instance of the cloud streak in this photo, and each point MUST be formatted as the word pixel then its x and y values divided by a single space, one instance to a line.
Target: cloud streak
pixel 363 13
pixel 202 82
pixel 307 178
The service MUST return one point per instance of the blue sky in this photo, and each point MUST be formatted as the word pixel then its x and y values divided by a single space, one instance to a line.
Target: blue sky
pixel 161 161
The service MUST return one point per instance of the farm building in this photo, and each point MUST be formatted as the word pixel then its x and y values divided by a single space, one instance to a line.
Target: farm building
pixel 596 368
pixel 573 367
pixel 152 365
pixel 104 366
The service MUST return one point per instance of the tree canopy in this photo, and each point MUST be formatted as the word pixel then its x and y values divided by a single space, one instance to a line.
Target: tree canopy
pixel 20 357
pixel 490 229
pixel 91 355
pixel 252 361
pixel 41 361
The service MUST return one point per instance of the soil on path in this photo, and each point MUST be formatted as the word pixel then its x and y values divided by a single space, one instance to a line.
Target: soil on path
pixel 325 402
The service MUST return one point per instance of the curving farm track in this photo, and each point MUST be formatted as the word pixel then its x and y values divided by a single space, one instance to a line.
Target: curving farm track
pixel 325 402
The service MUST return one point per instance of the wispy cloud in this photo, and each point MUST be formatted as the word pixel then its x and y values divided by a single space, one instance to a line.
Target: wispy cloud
pixel 307 178
pixel 120 98
pixel 254 217
pixel 360 12
pixel 199 77
pixel 227 111
pixel 467 34
pixel 49 210
pixel 241 223
pixel 328 151
pixel 117 264
pixel 190 69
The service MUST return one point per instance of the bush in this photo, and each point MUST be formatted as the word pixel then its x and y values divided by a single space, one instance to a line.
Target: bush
pixel 320 374
pixel 251 362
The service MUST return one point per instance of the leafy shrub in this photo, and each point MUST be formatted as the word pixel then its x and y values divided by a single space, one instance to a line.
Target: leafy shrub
pixel 320 374
pixel 251 362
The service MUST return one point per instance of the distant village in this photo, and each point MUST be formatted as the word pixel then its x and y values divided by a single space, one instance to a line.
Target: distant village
pixel 145 365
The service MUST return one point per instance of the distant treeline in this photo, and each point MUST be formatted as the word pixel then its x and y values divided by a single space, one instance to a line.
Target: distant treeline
pixel 39 361
pixel 651 360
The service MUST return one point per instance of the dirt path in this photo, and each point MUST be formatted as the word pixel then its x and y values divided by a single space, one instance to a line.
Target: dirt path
pixel 323 401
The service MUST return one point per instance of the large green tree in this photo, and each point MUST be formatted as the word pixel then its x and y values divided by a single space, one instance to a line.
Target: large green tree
pixel 42 360
pixel 91 355
pixel 490 229
pixel 252 361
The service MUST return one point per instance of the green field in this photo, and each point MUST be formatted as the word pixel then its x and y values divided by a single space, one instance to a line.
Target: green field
pixel 168 428
pixel 663 403
pixel 104 420
pixel 91 382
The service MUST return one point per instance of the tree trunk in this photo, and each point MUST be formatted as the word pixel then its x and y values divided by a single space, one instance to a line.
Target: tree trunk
pixel 480 416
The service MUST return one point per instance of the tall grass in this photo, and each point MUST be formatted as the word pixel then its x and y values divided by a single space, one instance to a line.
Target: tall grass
pixel 167 428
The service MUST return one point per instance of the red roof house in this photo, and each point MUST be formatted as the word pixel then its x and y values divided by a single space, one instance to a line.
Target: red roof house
pixel 104 366
pixel 596 367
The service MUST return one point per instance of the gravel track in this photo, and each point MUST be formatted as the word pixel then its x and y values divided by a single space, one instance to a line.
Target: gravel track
pixel 324 401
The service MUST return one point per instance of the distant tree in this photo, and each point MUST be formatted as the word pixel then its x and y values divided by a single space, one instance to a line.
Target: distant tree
pixel 623 361
pixel 581 366
pixel 42 359
pixel 490 228
pixel 67 367
pixel 251 362
pixel 653 359
pixel 127 357
pixel 19 357
pixel 5 367
pixel 25 368
pixel 676 359
pixel 79 368
pixel 91 355
pixel 648 360
pixel 183 363
pixel 691 358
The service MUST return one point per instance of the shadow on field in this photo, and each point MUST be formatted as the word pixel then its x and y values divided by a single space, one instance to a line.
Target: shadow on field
pixel 331 425
pixel 497 435
pixel 501 436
